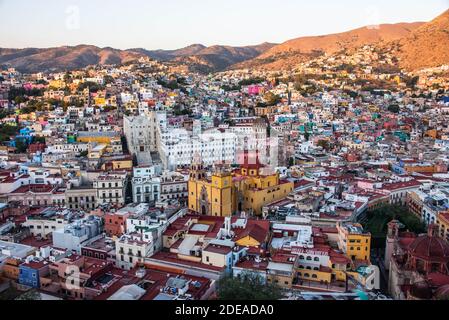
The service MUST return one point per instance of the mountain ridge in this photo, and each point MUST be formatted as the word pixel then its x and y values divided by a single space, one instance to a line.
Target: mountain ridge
pixel 417 45
pixel 427 46
pixel 65 58
pixel 298 50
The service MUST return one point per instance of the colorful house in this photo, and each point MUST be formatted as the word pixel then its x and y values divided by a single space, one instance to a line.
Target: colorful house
pixel 30 273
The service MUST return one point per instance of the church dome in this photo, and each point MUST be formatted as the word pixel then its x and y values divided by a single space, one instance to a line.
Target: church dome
pixel 430 247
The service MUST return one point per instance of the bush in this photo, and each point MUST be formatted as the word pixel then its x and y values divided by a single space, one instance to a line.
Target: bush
pixel 394 108
pixel 249 286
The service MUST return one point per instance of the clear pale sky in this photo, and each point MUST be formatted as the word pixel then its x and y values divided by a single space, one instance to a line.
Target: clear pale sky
pixel 170 24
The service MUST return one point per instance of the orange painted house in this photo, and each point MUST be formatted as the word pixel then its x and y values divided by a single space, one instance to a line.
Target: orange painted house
pixel 115 224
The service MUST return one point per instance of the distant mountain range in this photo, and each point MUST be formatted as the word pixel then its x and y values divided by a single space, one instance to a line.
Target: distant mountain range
pixel 63 58
pixel 417 45
pixel 197 57
pixel 204 59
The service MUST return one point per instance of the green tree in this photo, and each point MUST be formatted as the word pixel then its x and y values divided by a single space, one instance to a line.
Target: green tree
pixel 248 82
pixel 68 77
pixel 394 108
pixel 324 144
pixel 272 99
pixel 108 79
pixel 376 222
pixel 411 82
pixel 31 295
pixel 83 154
pixel 306 133
pixel 21 146
pixel 247 287
pixel 291 162
pixel 7 131
pixel 39 140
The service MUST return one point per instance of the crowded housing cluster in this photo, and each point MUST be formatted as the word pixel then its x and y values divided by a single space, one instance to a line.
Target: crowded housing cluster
pixel 140 182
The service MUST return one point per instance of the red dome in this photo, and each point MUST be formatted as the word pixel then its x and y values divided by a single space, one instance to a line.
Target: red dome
pixel 430 248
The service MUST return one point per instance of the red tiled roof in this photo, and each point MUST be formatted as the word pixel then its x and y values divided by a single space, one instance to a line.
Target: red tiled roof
pixel 218 249
pixel 401 185
pixel 252 265
pixel 35 188
pixel 285 258
pixel 170 257
pixel 254 231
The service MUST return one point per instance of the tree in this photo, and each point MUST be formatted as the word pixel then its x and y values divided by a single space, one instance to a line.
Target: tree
pixel 272 99
pixel 108 79
pixel 248 82
pixel 411 82
pixel 32 295
pixel 7 131
pixel 394 108
pixel 377 222
pixel 68 77
pixel 84 154
pixel 39 140
pixel 292 162
pixel 324 144
pixel 306 134
pixel 248 286
pixel 21 146
pixel 93 87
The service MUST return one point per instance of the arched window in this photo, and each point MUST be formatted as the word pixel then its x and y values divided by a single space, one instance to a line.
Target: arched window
pixel 306 275
pixel 309 258
pixel 314 276
pixel 301 257
pixel 317 259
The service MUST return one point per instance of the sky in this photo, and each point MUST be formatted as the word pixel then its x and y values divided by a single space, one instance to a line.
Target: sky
pixel 171 24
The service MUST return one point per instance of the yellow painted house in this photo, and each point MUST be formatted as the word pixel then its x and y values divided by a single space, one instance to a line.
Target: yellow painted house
pixel 100 101
pixel 118 164
pixel 354 242
pixel 98 137
pixel 58 84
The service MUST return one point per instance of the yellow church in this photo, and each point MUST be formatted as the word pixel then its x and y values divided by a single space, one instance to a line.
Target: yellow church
pixel 247 189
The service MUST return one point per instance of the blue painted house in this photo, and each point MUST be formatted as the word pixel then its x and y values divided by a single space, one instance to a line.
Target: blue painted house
pixel 30 273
